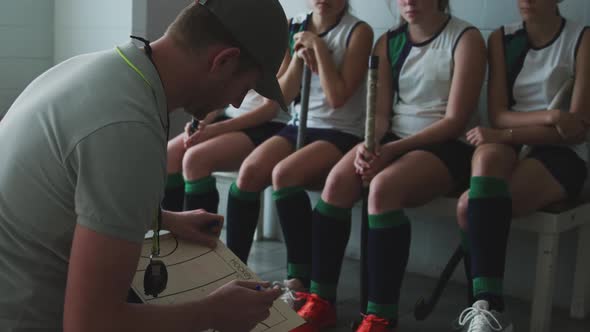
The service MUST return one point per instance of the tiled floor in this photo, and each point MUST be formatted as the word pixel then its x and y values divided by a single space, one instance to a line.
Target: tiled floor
pixel 268 261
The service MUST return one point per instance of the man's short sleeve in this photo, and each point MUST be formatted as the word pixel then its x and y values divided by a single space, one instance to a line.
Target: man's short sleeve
pixel 119 171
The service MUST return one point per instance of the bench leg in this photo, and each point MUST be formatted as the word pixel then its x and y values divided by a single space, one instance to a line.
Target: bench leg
pixel 581 291
pixel 544 282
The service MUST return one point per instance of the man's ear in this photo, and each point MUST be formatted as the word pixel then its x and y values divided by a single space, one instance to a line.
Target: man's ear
pixel 225 59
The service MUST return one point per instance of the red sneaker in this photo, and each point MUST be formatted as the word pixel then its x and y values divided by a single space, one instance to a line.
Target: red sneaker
pixel 372 323
pixel 318 313
pixel 299 299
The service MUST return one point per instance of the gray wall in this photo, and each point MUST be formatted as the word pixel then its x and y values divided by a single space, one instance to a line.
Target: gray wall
pixel 150 19
pixel 83 26
pixel 26 39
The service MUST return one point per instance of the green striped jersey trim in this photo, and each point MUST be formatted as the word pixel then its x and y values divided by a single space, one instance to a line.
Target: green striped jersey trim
pixel 396 46
pixel 398 49
pixel 295 28
pixel 388 220
pixel 516 47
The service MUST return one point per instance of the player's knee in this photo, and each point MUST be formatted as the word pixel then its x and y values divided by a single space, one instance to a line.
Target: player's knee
pixel 284 176
pixel 383 196
pixel 337 184
pixel 250 177
pixel 490 158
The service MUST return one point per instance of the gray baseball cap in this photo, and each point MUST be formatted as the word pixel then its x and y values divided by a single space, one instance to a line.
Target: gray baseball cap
pixel 260 27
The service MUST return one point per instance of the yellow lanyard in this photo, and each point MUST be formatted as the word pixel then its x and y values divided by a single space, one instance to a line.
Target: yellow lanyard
pixel 158 220
pixel 130 64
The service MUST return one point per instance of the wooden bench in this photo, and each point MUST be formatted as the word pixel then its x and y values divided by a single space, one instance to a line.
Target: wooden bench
pixel 548 225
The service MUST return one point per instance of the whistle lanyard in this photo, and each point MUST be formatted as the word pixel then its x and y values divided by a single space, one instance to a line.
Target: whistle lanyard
pixel 157 224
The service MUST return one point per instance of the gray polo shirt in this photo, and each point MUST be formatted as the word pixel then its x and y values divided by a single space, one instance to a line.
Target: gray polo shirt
pixel 85 143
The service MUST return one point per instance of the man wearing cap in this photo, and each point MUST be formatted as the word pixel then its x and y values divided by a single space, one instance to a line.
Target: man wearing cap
pixel 84 166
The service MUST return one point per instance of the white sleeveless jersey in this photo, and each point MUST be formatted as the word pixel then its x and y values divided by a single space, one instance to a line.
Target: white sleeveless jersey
pixel 348 118
pixel 422 76
pixel 535 75
pixel 252 101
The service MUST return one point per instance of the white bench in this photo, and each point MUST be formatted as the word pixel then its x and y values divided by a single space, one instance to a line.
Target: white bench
pixel 546 224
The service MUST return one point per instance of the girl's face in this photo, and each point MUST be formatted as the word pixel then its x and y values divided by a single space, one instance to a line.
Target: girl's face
pixel 536 10
pixel 414 11
pixel 327 7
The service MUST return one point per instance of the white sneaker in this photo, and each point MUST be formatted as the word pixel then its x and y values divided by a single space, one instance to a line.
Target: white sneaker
pixel 294 299
pixel 479 318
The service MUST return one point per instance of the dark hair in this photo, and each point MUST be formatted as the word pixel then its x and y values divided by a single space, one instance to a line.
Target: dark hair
pixel 196 28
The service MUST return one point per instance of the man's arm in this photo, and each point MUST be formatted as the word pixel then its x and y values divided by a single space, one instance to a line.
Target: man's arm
pixel 100 272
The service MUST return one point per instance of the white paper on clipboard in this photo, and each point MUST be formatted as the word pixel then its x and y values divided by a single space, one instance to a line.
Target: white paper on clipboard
pixel 195 271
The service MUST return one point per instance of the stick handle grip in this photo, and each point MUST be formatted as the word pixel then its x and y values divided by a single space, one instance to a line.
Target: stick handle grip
pixel 371 103
pixel 305 85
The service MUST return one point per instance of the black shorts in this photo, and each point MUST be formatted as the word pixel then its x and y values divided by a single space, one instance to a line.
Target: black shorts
pixel 565 166
pixel 260 133
pixel 343 141
pixel 454 154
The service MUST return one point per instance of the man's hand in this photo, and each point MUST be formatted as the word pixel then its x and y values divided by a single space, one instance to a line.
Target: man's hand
pixel 197 226
pixel 238 306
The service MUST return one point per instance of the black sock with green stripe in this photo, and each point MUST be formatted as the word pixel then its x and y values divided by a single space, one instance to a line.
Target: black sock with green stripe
pixel 489 215
pixel 294 210
pixel 465 247
pixel 388 250
pixel 174 193
pixel 243 208
pixel 330 233
pixel 201 194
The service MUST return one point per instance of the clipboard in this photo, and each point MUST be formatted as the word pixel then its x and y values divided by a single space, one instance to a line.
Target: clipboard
pixel 195 271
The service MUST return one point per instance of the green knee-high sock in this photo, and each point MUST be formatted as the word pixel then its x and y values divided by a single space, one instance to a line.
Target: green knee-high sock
pixel 174 193
pixel 388 251
pixel 294 210
pixel 331 230
pixel 243 208
pixel 201 194
pixel 489 215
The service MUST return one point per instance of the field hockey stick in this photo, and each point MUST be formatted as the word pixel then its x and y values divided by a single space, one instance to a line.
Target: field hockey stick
pixel 302 128
pixel 370 145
